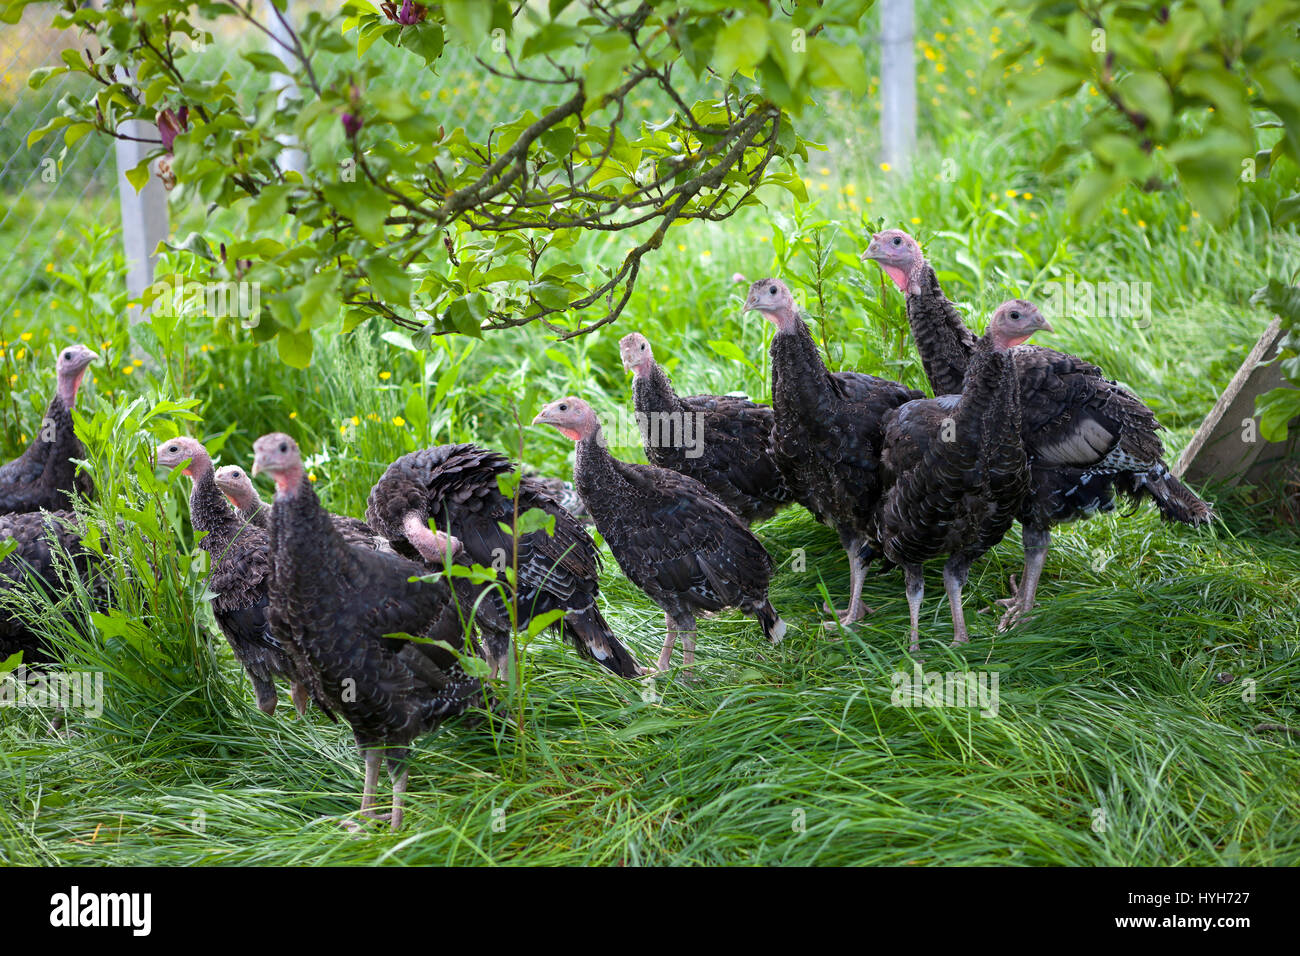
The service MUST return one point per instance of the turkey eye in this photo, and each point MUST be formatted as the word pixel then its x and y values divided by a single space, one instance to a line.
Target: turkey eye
pixel 898 241
pixel 643 347
pixel 67 355
pixel 772 290
pixel 564 408
pixel 284 448
pixel 173 448
pixel 1015 315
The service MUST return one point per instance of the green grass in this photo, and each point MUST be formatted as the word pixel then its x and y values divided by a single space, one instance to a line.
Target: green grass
pixel 1139 709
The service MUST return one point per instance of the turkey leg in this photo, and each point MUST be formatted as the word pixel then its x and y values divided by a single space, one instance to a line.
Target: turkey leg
pixel 915 592
pixel 1036 541
pixel 857 575
pixel 954 579
pixel 666 655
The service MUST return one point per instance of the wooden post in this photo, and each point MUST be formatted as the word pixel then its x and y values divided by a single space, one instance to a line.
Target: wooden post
pixel 144 214
pixel 1228 447
pixel 897 83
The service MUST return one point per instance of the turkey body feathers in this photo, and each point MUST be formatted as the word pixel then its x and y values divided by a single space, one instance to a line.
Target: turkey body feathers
pixel 722 441
pixel 332 606
pixel 456 487
pixel 45 475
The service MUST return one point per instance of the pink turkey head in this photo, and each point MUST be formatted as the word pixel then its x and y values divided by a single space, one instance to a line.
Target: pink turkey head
pixel 898 254
pixel 1013 322
pixel 574 418
pixel 236 486
pixel 636 353
pixel 772 298
pixel 277 455
pixel 71 368
pixel 177 450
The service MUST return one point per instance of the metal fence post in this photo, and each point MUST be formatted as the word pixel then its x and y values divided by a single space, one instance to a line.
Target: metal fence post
pixel 897 82
pixel 292 158
pixel 144 214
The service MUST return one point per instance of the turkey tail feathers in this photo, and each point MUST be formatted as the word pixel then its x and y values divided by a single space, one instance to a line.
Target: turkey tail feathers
pixel 592 636
pixel 1174 499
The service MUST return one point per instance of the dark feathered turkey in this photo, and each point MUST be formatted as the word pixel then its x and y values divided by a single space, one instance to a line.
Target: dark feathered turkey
pixel 45 475
pixel 239 491
pixel 673 539
pixel 1086 437
pixel 826 432
pixel 954 469
pixel 564 493
pixel 47 552
pixel 722 441
pixel 334 606
pixel 456 487
pixel 239 577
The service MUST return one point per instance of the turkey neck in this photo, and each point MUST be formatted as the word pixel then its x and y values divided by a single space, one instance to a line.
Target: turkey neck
pixel 653 392
pixel 594 474
pixel 941 336
pixel 299 524
pixel 64 446
pixel 210 512
pixel 800 381
pixel 988 414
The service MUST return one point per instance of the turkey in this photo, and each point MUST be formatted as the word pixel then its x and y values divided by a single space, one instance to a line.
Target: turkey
pixel 239 577
pixel 673 539
pixel 45 475
pixel 456 487
pixel 233 482
pixel 955 470
pixel 563 492
pixel 722 441
pixel 238 488
pixel 826 433
pixel 336 607
pixel 47 549
pixel 1086 437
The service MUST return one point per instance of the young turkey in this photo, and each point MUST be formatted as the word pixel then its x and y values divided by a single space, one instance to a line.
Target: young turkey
pixel 239 575
pixel 45 475
pixel 242 495
pixel 47 551
pixel 1086 437
pixel 673 539
pixel 456 487
pixel 722 441
pixel 335 607
pixel 234 483
pixel 955 469
pixel 826 433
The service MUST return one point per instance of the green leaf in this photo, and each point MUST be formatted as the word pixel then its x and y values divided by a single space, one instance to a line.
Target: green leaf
pixel 830 64
pixel 294 347
pixel 319 301
pixel 365 205
pixel 740 45
pixel 138 175
pixel 470 20
pixel 1276 409
pixel 389 280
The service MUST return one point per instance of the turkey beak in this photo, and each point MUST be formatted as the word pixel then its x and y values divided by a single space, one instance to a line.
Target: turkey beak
pixel 873 250
pixel 1044 325
pixel 257 466
pixel 541 418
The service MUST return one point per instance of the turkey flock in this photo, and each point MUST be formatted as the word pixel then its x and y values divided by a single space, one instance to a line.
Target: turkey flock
pixel 399 621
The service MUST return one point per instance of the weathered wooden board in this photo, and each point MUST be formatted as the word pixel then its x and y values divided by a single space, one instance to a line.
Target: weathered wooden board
pixel 1228 447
